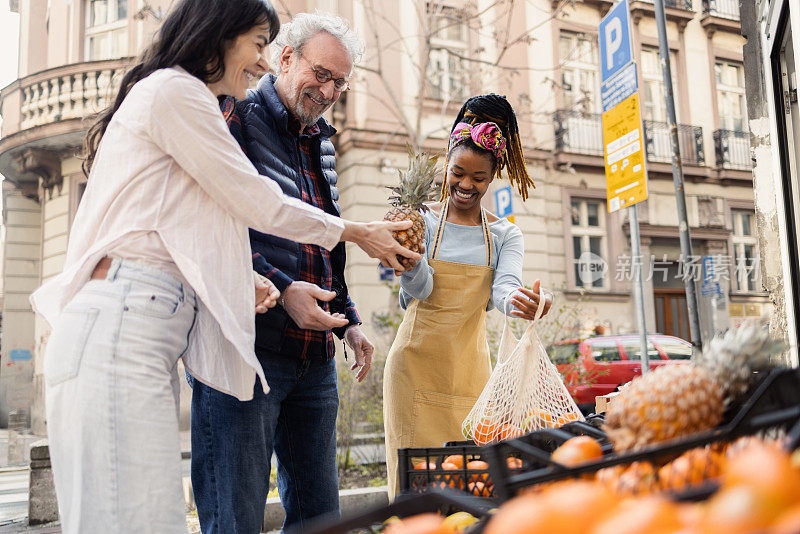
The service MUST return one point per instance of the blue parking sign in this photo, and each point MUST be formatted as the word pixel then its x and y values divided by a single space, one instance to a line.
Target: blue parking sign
pixel 615 40
pixel 502 201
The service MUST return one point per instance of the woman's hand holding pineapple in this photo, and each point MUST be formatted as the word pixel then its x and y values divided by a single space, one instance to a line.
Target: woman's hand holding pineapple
pixel 527 305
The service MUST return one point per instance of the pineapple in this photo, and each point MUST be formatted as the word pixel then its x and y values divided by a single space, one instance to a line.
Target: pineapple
pixel 677 400
pixel 408 197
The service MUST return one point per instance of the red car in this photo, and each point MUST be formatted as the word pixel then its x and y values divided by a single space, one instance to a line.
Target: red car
pixel 598 365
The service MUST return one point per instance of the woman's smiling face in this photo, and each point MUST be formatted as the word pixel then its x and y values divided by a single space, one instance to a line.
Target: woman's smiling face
pixel 244 62
pixel 469 173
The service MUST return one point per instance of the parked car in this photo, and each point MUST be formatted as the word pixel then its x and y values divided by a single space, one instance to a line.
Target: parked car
pixel 599 365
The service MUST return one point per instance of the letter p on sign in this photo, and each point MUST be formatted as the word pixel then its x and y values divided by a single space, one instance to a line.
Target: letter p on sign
pixel 613 40
pixel 502 199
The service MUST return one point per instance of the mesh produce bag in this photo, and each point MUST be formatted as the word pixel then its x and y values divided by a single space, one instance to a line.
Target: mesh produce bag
pixel 524 393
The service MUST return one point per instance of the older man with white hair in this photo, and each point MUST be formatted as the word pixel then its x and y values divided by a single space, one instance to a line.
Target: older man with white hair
pixel 281 129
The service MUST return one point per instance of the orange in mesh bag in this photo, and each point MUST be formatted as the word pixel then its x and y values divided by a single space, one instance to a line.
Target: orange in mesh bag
pixel 524 393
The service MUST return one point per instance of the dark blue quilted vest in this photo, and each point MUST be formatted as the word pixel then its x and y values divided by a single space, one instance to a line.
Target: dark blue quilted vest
pixel 273 151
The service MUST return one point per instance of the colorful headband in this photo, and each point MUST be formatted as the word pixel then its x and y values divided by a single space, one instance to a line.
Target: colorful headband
pixel 486 135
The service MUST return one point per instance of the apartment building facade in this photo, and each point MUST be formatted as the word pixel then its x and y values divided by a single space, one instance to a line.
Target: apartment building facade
pixel 423 59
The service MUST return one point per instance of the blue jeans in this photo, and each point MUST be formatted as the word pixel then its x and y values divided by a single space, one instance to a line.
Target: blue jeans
pixel 232 444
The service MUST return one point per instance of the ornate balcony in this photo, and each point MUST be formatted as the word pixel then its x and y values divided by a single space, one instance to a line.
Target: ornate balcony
pixel 726 9
pixel 43 113
pixel 733 150
pixel 659 146
pixel 578 132
pixel 721 15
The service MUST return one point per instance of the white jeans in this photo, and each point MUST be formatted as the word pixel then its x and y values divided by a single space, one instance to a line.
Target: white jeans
pixel 112 402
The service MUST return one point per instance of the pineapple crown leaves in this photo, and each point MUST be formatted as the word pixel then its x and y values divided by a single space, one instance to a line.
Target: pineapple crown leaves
pixel 735 355
pixel 416 185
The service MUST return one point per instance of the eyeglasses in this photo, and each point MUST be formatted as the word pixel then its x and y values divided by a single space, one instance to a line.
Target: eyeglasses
pixel 324 76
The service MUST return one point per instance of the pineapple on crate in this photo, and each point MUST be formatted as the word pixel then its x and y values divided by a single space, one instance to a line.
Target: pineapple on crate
pixel 676 400
pixel 416 186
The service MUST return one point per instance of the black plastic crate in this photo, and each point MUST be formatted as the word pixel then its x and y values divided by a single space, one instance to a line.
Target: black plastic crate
pixel 774 403
pixel 473 481
pixel 413 480
pixel 444 502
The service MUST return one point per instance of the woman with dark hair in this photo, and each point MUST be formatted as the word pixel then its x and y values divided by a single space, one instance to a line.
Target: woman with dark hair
pixel 439 361
pixel 159 268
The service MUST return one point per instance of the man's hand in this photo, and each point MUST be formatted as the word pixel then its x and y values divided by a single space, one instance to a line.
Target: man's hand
pixel 362 348
pixel 300 302
pixel 376 239
pixel 266 293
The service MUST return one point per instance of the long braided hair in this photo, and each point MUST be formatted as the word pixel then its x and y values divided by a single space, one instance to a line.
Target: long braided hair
pixel 194 35
pixel 495 108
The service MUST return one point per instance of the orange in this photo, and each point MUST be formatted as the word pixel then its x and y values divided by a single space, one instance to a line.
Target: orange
pixel 479 489
pixel 788 522
pixel 419 524
pixel 766 469
pixel 485 432
pixel 577 450
pixel 536 419
pixel 645 515
pixel 454 481
pixel 509 431
pixel 456 459
pixel 478 464
pixel 514 463
pixel 425 465
pixel 739 510
pixel 567 418
pixel 580 504
pixel 526 514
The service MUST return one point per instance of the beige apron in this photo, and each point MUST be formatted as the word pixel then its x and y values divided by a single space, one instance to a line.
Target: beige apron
pixel 439 361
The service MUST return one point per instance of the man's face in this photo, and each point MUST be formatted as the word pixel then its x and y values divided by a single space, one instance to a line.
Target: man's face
pixel 300 90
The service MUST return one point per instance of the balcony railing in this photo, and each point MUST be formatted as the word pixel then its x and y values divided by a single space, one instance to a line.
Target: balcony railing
pixel 578 133
pixel 733 149
pixel 726 9
pixel 582 133
pixel 68 92
pixel 659 146
pixel 686 5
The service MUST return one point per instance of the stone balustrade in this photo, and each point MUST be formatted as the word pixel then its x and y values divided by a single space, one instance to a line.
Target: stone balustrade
pixel 68 92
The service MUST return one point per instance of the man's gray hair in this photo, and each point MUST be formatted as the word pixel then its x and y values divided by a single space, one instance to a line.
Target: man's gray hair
pixel 303 26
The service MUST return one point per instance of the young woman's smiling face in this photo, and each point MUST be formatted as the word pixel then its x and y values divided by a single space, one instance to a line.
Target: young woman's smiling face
pixel 469 173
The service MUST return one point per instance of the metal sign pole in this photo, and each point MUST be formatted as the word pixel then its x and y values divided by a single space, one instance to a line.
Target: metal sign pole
pixel 638 290
pixel 677 175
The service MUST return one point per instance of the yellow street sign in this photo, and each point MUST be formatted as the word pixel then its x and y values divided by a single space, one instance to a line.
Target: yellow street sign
pixel 626 176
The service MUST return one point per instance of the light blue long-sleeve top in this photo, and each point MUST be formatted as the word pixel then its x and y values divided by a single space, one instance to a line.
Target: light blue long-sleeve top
pixel 464 244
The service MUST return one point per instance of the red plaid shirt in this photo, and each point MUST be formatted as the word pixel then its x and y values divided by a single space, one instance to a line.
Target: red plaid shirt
pixel 315 261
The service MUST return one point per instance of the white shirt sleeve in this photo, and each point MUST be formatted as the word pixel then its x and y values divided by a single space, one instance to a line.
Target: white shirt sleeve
pixel 187 124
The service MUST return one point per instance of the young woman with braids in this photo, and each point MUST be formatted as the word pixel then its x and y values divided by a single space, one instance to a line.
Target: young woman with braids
pixel 159 268
pixel 439 361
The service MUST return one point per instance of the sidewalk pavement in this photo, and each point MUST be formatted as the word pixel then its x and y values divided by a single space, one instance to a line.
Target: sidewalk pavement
pixel 15 481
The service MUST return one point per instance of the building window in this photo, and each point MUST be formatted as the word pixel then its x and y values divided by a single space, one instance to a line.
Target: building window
pixel 654 106
pixel 77 188
pixel 579 78
pixel 106 29
pixel 588 231
pixel 447 72
pixel 746 261
pixel 730 95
